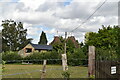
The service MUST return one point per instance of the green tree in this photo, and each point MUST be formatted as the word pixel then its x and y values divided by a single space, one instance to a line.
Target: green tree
pixel 43 38
pixel 118 46
pixel 58 47
pixel 62 39
pixel 70 46
pixel 77 58
pixel 87 36
pixel 106 39
pixel 13 35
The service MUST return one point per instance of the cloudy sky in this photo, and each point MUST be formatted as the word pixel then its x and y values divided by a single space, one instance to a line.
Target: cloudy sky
pixel 52 16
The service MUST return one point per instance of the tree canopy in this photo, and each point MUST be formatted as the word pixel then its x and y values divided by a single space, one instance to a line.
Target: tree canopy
pixel 43 38
pixel 13 35
pixel 106 40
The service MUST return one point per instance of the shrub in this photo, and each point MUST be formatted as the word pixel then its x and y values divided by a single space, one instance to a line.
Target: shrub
pixel 106 54
pixel 38 57
pixel 53 57
pixel 76 58
pixel 10 55
pixel 66 75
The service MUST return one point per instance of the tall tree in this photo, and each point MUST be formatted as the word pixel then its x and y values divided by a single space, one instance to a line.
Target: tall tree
pixel 43 38
pixel 70 46
pixel 106 41
pixel 106 38
pixel 13 35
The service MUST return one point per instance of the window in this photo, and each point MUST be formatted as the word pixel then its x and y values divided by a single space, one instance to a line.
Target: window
pixel 28 50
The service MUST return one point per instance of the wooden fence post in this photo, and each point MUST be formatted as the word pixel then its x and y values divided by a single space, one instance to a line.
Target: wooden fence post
pixel 44 69
pixel 91 61
pixel 1 54
pixel 64 62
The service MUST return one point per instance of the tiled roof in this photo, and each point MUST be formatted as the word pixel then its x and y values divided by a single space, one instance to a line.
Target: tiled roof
pixel 43 47
pixel 56 40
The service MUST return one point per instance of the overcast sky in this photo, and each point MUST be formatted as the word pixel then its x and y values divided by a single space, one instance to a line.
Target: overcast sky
pixel 51 16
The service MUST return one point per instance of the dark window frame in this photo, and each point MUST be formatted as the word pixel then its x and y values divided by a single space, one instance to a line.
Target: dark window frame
pixel 28 50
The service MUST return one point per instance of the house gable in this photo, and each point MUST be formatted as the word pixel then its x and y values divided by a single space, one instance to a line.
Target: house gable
pixel 30 48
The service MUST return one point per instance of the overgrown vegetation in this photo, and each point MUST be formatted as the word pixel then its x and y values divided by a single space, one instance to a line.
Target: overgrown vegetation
pixel 106 41
pixel 66 75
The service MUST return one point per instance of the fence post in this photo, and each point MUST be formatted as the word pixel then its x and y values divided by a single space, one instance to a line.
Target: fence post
pixel 64 62
pixel 91 61
pixel 0 54
pixel 44 69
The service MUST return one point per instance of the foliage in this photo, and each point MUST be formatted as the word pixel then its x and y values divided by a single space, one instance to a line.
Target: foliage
pixel 45 55
pixel 9 55
pixel 3 62
pixel 37 57
pixel 106 40
pixel 77 58
pixel 81 44
pixel 66 75
pixel 43 38
pixel 3 65
pixel 61 39
pixel 92 77
pixel 70 46
pixel 106 54
pixel 58 47
pixel 13 35
pixel 118 43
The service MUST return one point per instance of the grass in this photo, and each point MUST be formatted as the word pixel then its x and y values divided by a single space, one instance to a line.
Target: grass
pixel 52 71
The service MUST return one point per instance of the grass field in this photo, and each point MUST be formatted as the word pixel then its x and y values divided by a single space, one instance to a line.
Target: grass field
pixel 32 71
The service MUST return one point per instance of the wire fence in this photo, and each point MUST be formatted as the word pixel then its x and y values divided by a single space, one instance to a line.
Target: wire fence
pixel 77 62
pixel 34 69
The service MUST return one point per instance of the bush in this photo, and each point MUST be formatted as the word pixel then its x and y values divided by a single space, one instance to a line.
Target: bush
pixel 38 57
pixel 106 54
pixel 42 55
pixel 66 75
pixel 9 55
pixel 77 58
pixel 53 57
